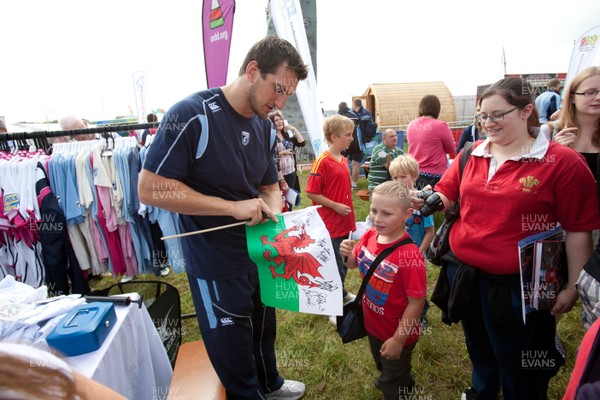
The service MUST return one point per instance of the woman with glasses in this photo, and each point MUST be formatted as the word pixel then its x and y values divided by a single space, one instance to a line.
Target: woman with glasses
pixel 579 129
pixel 579 124
pixel 515 184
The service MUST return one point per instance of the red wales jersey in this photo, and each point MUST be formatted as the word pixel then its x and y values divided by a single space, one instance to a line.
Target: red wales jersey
pixel 331 178
pixel 400 275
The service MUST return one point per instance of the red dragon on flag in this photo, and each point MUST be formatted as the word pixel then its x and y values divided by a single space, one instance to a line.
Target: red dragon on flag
pixel 295 264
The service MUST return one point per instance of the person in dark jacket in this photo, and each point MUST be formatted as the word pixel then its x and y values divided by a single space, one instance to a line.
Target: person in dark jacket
pixel 355 151
pixel 151 131
pixel 471 133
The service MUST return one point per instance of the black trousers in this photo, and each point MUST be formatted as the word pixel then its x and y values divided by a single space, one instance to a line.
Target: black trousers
pixel 396 380
pixel 239 334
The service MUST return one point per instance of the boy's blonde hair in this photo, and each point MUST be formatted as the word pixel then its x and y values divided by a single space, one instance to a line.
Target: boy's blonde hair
pixel 395 189
pixel 335 125
pixel 404 163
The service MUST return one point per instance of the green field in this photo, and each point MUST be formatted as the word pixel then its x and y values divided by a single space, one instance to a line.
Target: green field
pixel 308 348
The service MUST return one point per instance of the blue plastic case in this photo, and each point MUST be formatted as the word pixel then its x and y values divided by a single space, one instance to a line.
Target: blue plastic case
pixel 83 329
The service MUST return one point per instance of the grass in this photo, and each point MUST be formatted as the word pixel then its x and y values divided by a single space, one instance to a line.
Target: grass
pixel 308 348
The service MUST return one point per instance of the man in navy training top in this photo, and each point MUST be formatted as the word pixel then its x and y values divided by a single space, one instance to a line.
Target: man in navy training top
pixel 548 102
pixel 212 161
pixel 362 112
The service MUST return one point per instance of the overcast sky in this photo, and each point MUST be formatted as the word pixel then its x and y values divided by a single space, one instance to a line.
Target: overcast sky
pixel 77 57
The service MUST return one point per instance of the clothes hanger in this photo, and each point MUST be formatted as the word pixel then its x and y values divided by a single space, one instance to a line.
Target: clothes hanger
pixel 107 151
pixel 35 139
pixel 45 144
pixel 4 143
pixel 19 141
pixel 32 148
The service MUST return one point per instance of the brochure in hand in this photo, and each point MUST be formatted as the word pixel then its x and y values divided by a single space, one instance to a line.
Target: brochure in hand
pixel 548 268
pixel 543 267
pixel 292 197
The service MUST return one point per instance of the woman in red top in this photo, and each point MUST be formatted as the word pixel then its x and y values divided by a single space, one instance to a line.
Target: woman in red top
pixel 515 184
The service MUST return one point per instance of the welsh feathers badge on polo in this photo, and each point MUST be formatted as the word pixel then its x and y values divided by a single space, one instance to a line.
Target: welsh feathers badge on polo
pixel 528 184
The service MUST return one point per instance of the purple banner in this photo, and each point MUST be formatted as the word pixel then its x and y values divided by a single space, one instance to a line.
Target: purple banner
pixel 217 22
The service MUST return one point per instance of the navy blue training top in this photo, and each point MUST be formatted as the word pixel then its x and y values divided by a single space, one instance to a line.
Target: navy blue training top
pixel 203 142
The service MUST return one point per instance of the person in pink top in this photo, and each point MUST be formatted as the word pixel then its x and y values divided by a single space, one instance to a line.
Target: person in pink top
pixel 429 140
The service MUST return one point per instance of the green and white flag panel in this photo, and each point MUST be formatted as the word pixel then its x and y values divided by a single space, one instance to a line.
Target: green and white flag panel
pixel 296 264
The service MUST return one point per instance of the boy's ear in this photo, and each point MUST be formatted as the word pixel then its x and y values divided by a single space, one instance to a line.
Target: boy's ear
pixel 408 213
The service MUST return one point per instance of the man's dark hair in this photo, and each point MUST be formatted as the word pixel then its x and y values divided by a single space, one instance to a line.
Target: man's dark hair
pixel 272 51
pixel 430 105
pixel 342 106
pixel 151 118
pixel 552 83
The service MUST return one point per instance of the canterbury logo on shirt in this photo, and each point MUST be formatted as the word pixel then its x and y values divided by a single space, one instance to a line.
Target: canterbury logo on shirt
pixel 214 106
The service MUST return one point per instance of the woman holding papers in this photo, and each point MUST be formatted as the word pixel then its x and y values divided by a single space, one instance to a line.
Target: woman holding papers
pixel 515 184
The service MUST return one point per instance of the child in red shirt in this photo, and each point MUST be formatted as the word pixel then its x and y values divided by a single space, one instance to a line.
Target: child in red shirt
pixel 395 295
pixel 329 186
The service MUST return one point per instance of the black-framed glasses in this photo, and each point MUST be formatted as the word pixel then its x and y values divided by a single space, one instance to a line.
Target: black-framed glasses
pixel 499 116
pixel 588 93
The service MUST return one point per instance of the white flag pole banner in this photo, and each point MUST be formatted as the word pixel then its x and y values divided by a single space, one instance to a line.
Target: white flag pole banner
pixel 295 262
pixel 138 78
pixel 289 25
pixel 583 52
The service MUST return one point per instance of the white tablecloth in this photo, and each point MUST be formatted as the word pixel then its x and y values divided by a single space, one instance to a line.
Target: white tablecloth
pixel 132 359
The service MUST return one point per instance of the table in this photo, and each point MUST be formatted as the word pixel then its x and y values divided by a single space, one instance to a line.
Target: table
pixel 132 359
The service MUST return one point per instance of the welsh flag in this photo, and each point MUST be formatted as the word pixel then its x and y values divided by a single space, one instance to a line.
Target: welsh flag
pixel 296 264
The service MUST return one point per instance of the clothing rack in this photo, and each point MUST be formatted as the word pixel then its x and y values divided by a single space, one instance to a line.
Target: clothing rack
pixel 74 132
pixel 40 137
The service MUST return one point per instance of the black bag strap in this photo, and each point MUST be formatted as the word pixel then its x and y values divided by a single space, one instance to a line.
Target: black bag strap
pixel 380 257
pixel 464 156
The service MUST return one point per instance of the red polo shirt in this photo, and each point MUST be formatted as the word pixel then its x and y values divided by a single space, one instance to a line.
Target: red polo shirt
pixel 331 178
pixel 400 275
pixel 523 197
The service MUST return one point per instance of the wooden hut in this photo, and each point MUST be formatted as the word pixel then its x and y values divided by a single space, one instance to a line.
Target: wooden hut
pixel 394 105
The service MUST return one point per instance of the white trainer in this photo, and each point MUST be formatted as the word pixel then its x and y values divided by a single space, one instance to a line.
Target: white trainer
pixel 332 320
pixel 290 390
